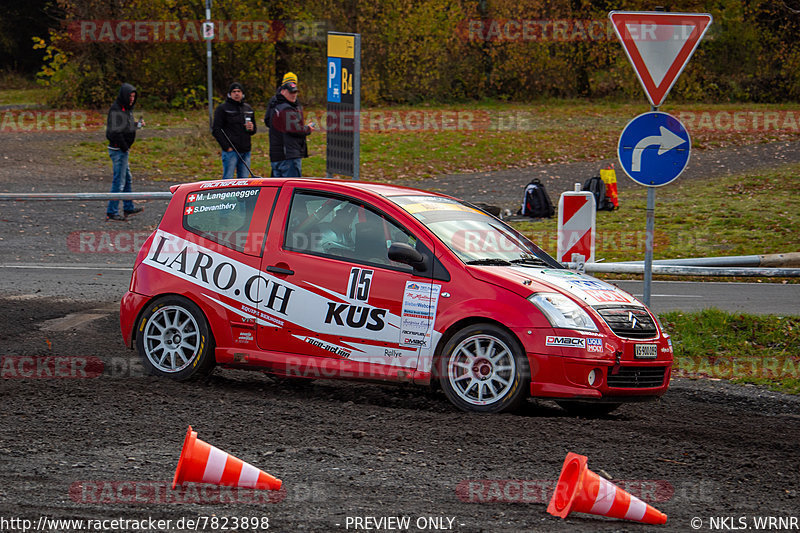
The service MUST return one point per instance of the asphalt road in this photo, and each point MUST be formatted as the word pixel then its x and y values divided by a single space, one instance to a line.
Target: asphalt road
pixel 108 282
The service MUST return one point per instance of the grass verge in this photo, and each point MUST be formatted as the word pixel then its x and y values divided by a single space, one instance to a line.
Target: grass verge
pixel 426 140
pixel 735 215
pixel 742 348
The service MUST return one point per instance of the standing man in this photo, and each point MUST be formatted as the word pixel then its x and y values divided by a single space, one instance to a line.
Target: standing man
pixel 234 124
pixel 287 132
pixel 121 134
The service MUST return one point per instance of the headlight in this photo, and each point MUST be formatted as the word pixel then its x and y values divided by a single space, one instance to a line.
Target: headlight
pixel 562 312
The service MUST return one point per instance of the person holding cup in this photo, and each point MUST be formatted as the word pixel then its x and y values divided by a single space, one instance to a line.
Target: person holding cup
pixel 233 126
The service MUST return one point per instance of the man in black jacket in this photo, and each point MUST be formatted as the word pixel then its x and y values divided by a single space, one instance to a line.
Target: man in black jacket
pixel 121 134
pixel 233 126
pixel 287 132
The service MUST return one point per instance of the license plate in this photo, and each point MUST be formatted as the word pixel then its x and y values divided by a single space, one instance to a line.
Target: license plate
pixel 645 351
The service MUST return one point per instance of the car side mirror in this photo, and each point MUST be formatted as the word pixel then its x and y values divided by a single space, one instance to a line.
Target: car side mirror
pixel 408 255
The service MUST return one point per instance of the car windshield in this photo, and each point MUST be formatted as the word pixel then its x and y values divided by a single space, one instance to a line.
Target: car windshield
pixel 476 237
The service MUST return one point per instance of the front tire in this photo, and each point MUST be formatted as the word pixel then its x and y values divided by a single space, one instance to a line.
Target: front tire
pixel 484 369
pixel 174 340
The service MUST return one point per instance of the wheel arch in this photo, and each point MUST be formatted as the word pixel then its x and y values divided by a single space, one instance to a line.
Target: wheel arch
pixel 151 300
pixel 458 326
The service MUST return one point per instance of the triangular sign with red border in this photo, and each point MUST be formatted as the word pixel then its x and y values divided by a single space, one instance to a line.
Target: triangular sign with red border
pixel 659 45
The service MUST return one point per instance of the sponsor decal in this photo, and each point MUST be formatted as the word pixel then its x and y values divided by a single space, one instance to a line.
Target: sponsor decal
pixel 224 183
pixel 594 345
pixel 567 342
pixel 334 349
pixel 593 291
pixel 356 316
pixel 351 326
pixel 594 284
pixel 245 337
pixel 560 273
pixel 216 272
pixel 420 301
pixel 606 295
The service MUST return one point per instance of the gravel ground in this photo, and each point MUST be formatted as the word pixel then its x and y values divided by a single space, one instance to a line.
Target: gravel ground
pixel 707 449
pixel 345 450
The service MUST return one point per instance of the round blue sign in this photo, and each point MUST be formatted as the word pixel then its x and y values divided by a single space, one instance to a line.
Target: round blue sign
pixel 654 149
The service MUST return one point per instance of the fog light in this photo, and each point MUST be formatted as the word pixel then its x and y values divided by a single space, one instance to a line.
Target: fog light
pixel 592 377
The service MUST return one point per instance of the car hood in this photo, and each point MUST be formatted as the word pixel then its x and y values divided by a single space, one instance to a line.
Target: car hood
pixel 525 280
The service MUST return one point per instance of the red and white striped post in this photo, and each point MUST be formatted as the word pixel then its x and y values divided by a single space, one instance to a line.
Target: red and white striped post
pixel 576 225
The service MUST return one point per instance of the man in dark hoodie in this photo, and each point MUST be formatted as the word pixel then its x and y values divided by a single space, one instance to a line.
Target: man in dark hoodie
pixel 121 134
pixel 233 126
pixel 287 132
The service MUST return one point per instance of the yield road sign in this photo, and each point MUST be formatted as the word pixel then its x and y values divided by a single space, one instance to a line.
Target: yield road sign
pixel 659 45
pixel 654 149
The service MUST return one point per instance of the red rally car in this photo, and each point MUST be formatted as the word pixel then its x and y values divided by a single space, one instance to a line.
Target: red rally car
pixel 323 278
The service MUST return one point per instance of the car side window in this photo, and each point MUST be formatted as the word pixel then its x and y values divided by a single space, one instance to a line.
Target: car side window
pixel 342 228
pixel 221 215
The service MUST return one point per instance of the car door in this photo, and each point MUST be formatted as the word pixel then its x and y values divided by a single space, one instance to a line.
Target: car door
pixel 342 298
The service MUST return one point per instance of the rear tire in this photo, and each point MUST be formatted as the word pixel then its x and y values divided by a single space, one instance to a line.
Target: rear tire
pixel 484 369
pixel 587 409
pixel 174 340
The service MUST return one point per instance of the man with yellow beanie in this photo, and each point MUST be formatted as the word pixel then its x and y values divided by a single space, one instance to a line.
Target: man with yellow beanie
pixel 287 130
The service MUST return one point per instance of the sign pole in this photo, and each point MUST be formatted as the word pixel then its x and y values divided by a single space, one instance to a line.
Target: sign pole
pixel 649 238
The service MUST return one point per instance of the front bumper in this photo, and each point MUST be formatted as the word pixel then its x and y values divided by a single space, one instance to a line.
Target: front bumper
pixel 569 378
pixel 611 370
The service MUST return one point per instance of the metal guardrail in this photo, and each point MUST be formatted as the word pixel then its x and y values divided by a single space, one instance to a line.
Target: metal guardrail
pixel 53 196
pixel 787 260
pixel 677 270
pixel 718 266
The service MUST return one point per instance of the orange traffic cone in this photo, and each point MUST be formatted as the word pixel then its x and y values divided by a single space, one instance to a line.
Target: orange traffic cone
pixel 579 489
pixel 202 463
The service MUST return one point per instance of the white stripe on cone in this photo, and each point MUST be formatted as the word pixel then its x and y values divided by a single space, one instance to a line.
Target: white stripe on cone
pixel 249 476
pixel 636 510
pixel 215 466
pixel 606 493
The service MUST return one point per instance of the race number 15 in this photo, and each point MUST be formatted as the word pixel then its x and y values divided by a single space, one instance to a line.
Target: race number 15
pixel 358 285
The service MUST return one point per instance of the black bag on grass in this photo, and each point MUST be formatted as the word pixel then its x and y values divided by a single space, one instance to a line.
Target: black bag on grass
pixel 597 187
pixel 535 201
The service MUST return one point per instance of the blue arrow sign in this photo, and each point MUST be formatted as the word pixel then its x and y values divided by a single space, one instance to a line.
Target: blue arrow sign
pixel 654 149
